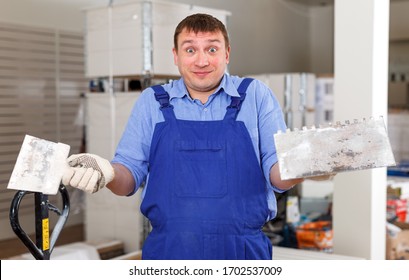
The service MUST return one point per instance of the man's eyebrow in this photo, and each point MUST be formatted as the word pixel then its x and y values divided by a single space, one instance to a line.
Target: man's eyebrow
pixel 214 41
pixel 186 42
pixel 192 41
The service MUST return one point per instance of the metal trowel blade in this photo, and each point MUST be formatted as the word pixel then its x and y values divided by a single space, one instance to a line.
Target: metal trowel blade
pixel 335 148
pixel 40 166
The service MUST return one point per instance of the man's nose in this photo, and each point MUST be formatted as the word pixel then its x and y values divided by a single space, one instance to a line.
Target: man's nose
pixel 202 59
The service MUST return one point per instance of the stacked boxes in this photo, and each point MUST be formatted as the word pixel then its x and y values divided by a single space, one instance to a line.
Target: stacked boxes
pixel 398 132
pixel 296 94
pixel 324 99
pixel 397 242
pixel 397 237
pixel 135 38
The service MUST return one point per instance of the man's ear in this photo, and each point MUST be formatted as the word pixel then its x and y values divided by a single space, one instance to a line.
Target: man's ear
pixel 175 56
pixel 227 54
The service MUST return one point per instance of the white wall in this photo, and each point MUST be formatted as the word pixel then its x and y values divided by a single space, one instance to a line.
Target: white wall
pixel 58 14
pixel 322 39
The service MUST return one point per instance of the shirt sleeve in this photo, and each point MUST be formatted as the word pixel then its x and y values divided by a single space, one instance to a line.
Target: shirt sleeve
pixel 270 121
pixel 134 146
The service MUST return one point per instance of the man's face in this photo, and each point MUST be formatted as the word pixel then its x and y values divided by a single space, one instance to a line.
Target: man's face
pixel 202 59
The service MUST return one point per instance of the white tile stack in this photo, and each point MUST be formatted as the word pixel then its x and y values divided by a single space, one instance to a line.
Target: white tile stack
pixel 141 37
pixel 300 89
pixel 324 100
pixel 398 131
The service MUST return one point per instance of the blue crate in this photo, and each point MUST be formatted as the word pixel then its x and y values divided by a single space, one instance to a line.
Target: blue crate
pixel 400 170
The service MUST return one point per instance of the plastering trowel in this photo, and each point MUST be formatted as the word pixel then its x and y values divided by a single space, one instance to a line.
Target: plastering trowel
pixel 40 166
pixel 38 170
pixel 334 148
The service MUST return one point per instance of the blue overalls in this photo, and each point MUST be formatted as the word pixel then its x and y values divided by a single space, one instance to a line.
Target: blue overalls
pixel 206 197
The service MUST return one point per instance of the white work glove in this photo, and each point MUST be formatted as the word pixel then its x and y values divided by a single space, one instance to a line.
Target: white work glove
pixel 88 172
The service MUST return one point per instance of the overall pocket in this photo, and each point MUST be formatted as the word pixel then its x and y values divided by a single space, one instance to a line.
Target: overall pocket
pixel 200 168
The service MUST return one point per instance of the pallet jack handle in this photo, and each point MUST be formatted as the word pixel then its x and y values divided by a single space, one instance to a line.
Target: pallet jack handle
pixel 44 244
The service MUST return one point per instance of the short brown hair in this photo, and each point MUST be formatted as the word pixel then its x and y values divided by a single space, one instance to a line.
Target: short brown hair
pixel 200 23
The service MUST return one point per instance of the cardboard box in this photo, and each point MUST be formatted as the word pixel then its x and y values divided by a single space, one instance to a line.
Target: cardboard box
pixel 397 244
pixel 136 255
pixel 108 249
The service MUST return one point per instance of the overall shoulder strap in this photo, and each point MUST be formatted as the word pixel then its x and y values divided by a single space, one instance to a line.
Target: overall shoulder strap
pixel 235 105
pixel 164 100
pixel 244 85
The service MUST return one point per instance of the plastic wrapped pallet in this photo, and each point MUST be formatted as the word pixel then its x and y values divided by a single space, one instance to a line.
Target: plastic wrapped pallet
pixel 296 94
pixel 136 38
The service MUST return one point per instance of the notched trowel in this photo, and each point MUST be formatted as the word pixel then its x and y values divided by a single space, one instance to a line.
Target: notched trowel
pixel 40 166
pixel 334 148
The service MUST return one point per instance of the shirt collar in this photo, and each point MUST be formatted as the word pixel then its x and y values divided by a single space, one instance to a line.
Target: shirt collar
pixel 179 89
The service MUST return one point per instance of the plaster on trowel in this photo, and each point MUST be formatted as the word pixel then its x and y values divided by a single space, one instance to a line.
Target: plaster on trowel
pixel 334 148
pixel 40 166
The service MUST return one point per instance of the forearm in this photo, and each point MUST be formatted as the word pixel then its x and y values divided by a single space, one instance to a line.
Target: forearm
pixel 275 179
pixel 123 182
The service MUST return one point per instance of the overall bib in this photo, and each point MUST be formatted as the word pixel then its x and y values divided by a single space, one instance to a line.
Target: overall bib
pixel 206 197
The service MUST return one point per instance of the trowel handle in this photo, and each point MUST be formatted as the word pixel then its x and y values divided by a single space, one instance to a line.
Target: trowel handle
pixel 43 247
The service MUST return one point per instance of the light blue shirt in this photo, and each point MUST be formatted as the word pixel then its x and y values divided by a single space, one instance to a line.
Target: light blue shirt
pixel 260 112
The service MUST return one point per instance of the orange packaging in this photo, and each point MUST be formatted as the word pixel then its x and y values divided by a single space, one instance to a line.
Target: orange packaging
pixel 315 236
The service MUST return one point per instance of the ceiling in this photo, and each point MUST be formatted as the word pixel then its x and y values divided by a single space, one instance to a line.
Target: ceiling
pixel 324 2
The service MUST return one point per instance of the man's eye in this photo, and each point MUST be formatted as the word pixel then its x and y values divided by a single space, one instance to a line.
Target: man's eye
pixel 190 50
pixel 212 50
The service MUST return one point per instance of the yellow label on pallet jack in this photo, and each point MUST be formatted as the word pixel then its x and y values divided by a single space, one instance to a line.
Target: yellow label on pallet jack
pixel 46 235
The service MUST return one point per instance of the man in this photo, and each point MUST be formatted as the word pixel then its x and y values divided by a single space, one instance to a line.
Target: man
pixel 204 145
